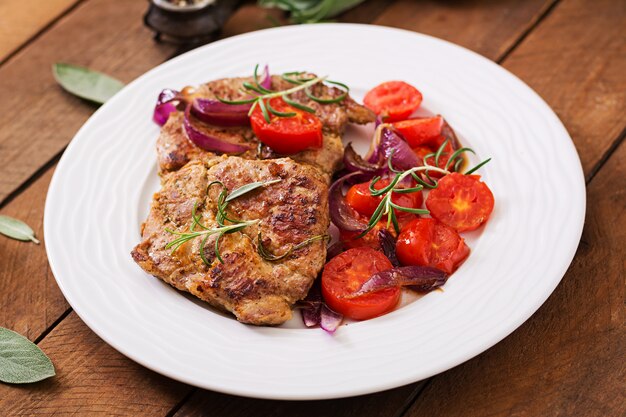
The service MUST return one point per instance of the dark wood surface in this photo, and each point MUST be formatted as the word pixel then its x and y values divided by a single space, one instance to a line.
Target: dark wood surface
pixel 567 360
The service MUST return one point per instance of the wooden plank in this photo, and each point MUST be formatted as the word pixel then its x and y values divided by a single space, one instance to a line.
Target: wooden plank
pixel 251 17
pixel 576 61
pixel 387 403
pixel 20 20
pixel 30 300
pixel 38 118
pixel 489 28
pixel 92 378
pixel 568 358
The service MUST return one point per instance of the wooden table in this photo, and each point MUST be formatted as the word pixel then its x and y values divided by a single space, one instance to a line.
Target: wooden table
pixel 569 359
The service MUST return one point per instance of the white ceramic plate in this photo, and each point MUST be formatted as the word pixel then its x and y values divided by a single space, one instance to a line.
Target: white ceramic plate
pixel 102 187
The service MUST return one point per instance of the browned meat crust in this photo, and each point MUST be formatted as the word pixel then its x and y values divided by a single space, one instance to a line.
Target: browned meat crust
pixel 175 150
pixel 255 290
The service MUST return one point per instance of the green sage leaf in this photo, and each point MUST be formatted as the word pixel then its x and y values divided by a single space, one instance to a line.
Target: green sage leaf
pixel 16 229
pixel 86 83
pixel 21 361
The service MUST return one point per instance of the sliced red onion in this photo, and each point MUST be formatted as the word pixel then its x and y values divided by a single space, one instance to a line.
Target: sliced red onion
pixel 334 250
pixel 312 306
pixel 353 162
pixel 209 143
pixel 315 311
pixel 419 278
pixel 165 106
pixel 388 245
pixel 162 113
pixel 341 215
pixel 389 142
pixel 311 313
pixel 330 320
pixel 220 114
pixel 205 105
pixel 266 81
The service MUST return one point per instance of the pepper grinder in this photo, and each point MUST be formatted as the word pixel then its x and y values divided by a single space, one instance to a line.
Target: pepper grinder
pixel 188 21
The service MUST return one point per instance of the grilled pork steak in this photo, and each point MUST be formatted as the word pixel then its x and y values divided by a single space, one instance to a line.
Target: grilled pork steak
pixel 175 150
pixel 255 290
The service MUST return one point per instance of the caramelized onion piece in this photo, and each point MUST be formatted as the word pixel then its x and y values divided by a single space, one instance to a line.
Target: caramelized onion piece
pixel 353 162
pixel 388 245
pixel 341 214
pixel 330 320
pixel 166 105
pixel 207 142
pixel 389 143
pixel 423 279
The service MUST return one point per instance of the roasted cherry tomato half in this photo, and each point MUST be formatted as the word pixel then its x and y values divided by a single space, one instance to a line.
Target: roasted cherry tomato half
pixel 287 135
pixel 423 131
pixel 462 202
pixel 423 151
pixel 426 242
pixel 393 100
pixel 361 199
pixel 343 276
pixel 369 240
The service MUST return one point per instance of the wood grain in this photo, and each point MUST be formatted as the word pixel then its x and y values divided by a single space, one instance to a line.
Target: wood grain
pixel 92 378
pixel 20 20
pixel 30 300
pixel 568 359
pixel 39 118
pixel 576 61
pixel 489 27
pixel 387 403
pixel 251 17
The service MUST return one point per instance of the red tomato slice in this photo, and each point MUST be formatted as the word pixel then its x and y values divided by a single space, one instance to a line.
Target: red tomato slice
pixel 462 202
pixel 287 135
pixel 361 200
pixel 370 240
pixel 426 242
pixel 346 272
pixel 393 100
pixel 424 131
pixel 422 151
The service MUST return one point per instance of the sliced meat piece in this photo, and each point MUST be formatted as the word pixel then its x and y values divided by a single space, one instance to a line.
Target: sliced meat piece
pixel 255 290
pixel 175 150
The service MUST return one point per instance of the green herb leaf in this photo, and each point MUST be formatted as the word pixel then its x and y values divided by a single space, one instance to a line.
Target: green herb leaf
pixel 85 83
pixel 478 166
pixel 311 11
pixel 238 192
pixel 16 229
pixel 21 361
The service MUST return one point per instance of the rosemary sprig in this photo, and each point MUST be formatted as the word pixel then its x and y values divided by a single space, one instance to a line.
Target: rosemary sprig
pixel 388 207
pixel 221 217
pixel 184 237
pixel 264 95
